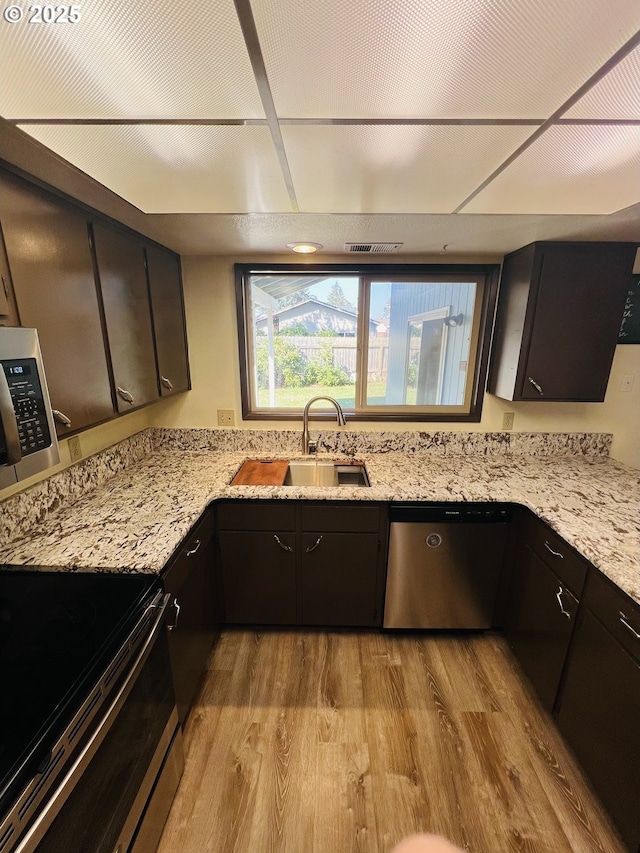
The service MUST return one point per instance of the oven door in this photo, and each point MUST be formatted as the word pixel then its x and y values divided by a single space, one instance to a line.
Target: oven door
pixel 114 790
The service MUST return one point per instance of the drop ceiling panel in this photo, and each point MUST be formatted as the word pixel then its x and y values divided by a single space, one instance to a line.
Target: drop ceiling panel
pixel 178 169
pixel 569 169
pixel 616 96
pixel 435 58
pixel 393 169
pixel 146 59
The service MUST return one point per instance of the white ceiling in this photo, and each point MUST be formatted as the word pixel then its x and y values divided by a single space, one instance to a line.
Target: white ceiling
pixel 243 125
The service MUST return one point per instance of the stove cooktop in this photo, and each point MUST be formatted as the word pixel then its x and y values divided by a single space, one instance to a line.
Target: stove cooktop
pixel 58 631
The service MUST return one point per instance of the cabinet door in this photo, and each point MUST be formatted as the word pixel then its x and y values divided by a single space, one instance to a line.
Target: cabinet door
pixel 123 284
pixel 8 310
pixel 258 577
pixel 539 622
pixel 165 289
pixel 599 715
pixel 578 311
pixel 191 582
pixel 339 579
pixel 51 268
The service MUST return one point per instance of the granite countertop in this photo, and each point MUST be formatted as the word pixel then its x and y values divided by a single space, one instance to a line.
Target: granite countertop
pixel 135 520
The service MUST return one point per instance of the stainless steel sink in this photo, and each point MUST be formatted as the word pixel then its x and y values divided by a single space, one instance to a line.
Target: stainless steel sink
pixel 325 472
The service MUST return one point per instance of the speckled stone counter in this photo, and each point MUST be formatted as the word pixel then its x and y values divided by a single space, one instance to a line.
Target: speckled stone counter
pixel 133 518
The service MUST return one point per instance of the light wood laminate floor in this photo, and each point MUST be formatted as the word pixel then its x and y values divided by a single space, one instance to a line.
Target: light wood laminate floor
pixel 337 742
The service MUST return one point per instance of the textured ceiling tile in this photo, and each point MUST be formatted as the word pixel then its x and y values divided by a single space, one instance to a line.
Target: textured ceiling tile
pixel 435 58
pixel 616 96
pixel 569 169
pixel 389 169
pixel 180 169
pixel 123 59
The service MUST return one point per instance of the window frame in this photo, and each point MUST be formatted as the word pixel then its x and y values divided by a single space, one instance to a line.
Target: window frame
pixel 367 272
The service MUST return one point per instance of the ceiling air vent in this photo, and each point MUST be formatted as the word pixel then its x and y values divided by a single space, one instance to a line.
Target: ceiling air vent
pixel 372 248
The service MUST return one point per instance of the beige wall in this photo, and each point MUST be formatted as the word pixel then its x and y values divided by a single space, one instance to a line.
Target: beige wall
pixel 213 345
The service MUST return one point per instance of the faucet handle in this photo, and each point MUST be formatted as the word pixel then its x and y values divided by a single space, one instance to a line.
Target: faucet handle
pixel 313 445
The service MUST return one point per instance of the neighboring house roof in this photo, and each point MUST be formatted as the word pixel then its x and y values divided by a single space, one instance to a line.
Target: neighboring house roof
pixel 316 315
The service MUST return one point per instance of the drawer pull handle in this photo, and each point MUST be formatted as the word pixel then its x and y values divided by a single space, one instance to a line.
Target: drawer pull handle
pixel 314 546
pixel 551 551
pixel 623 619
pixel 562 610
pixel 282 544
pixel 196 547
pixel 536 386
pixel 176 610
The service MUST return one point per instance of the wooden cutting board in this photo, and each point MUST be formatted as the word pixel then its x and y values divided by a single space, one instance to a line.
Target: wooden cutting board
pixel 255 472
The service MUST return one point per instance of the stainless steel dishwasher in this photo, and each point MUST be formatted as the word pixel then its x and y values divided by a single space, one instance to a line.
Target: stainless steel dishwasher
pixel 444 564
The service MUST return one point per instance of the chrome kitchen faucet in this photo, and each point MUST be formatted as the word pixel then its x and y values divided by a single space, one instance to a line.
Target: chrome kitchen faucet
pixel 311 446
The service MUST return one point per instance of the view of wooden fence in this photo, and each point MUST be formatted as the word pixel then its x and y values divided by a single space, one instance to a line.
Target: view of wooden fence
pixel 344 352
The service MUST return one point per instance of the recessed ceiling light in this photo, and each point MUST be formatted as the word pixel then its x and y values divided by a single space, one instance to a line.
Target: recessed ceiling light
pixel 305 248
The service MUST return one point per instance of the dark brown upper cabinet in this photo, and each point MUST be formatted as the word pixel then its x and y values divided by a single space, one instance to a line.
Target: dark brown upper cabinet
pixel 165 290
pixel 122 279
pixel 559 312
pixel 8 308
pixel 51 271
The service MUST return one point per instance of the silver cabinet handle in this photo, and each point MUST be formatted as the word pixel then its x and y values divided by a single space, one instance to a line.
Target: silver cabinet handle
pixel 282 544
pixel 8 422
pixel 623 619
pixel 61 417
pixel 536 386
pixel 314 546
pixel 167 383
pixel 562 610
pixel 176 610
pixel 551 551
pixel 126 396
pixel 196 548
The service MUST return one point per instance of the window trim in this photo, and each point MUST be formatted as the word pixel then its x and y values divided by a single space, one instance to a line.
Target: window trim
pixel 490 272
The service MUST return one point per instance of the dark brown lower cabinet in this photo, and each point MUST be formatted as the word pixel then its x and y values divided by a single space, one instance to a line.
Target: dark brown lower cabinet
pixel 539 621
pixel 338 579
pixel 258 577
pixel 190 578
pixel 599 717
pixel 303 563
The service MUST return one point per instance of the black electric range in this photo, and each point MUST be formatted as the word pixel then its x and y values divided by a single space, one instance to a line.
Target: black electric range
pixel 58 630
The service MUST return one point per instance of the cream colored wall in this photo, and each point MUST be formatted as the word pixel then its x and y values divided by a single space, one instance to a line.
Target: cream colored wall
pixel 213 350
pixel 91 441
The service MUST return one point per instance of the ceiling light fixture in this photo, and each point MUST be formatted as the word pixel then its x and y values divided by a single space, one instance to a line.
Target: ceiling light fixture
pixel 305 248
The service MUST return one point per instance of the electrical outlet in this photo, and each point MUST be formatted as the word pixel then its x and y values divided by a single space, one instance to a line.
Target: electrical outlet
pixel 75 451
pixel 226 417
pixel 507 420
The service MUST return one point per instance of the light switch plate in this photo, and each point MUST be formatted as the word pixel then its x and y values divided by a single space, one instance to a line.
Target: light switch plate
pixel 226 417
pixel 626 383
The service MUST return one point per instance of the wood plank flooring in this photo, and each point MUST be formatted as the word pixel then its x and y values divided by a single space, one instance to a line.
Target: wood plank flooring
pixel 344 743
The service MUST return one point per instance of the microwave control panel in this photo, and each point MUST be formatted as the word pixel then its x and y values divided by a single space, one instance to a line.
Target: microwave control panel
pixel 26 394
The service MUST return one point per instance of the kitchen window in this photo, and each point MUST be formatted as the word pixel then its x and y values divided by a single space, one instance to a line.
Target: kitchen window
pixel 401 342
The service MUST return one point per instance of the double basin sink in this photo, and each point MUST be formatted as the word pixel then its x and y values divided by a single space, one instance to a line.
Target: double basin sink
pixel 325 472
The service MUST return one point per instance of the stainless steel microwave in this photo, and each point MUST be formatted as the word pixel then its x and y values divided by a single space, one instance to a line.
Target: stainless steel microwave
pixel 28 442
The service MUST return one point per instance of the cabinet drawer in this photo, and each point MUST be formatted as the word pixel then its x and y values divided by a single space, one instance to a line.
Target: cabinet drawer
pixel 252 515
pixel 566 563
pixel 617 611
pixel 340 518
